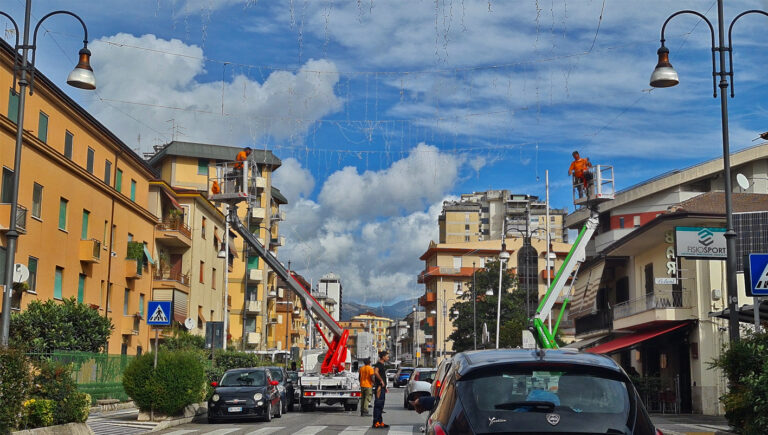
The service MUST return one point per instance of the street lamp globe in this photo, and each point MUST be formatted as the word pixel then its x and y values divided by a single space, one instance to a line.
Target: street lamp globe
pixel 433 312
pixel 455 312
pixel 503 256
pixel 489 292
pixel 664 76
pixel 82 76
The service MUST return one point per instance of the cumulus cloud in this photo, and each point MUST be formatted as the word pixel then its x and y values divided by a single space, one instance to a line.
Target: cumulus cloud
pixel 293 180
pixel 140 90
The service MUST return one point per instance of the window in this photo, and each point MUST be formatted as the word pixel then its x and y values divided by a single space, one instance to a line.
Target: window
pixel 42 127
pixel 80 287
pixel 109 298
pixel 126 301
pixel 57 279
pixel 202 228
pixel 119 181
pixel 202 271
pixel 13 106
pixel 68 139
pixel 84 230
pixel 6 196
pixel 202 167
pixel 63 214
pixel 133 190
pixel 89 161
pixel 253 262
pixel 32 280
pixel 648 278
pixel 37 200
pixel 636 221
pixel 621 222
pixel 141 305
pixel 213 278
pixel 107 172
pixel 457 262
pixel 130 237
pixel 104 236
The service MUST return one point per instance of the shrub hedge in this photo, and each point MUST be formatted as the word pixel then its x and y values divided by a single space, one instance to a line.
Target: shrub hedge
pixel 37 413
pixel 178 381
pixel 54 381
pixel 15 382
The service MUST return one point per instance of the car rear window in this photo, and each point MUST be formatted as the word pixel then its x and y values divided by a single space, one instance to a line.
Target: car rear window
pixel 276 374
pixel 256 378
pixel 562 398
pixel 427 376
pixel 406 371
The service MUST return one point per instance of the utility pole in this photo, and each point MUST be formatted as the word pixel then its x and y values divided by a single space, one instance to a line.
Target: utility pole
pixel 474 307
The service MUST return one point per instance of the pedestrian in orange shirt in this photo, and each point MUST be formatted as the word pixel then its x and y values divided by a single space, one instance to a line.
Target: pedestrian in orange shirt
pixel 580 170
pixel 366 386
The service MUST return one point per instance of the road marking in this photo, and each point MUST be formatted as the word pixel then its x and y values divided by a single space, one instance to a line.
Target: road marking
pixel 222 431
pixel 355 430
pixel 310 430
pixel 180 432
pixel 400 430
pixel 266 430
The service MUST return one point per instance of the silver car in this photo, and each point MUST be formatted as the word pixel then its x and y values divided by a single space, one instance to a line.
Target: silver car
pixel 419 384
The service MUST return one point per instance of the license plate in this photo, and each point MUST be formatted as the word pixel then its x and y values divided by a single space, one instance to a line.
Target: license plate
pixel 235 409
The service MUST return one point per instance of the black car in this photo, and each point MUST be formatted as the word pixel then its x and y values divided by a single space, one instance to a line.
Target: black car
pixel 537 391
pixel 294 378
pixel 245 393
pixel 286 386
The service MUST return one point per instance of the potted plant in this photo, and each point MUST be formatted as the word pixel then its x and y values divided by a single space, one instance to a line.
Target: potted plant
pixel 164 261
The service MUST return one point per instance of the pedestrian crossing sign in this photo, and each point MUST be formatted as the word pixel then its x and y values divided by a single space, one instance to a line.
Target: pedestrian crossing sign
pixel 159 313
pixel 756 273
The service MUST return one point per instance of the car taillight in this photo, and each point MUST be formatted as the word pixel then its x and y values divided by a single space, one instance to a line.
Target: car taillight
pixel 437 383
pixel 355 394
pixel 309 394
pixel 658 432
pixel 439 429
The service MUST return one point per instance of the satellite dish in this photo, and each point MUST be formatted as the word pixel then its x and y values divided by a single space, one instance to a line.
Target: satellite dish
pixel 742 181
pixel 189 323
pixel 20 273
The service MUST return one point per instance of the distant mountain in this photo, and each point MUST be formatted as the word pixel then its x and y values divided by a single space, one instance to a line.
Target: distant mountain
pixel 398 310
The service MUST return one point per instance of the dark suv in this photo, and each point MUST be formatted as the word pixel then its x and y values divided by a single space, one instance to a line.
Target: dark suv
pixel 537 391
pixel 285 386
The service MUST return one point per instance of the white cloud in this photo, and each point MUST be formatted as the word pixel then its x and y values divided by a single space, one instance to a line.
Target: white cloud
pixel 294 181
pixel 164 86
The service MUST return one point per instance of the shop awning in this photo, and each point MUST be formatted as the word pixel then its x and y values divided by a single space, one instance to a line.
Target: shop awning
pixel 173 201
pixel 581 344
pixel 746 313
pixel 585 290
pixel 148 255
pixel 232 250
pixel 632 339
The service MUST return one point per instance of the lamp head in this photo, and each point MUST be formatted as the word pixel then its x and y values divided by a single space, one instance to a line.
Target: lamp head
pixel 489 292
pixel 82 76
pixel 221 254
pixel 664 76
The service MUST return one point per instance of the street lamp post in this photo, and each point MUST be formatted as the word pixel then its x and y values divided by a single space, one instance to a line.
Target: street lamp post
pixel 503 256
pixel 665 76
pixel 81 77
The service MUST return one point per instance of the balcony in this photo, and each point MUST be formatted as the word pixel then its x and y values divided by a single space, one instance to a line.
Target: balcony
pixel 255 275
pixel 132 268
pixel 90 251
pixel 253 338
pixel 277 241
pixel 428 299
pixel 661 305
pixel 258 213
pixel 279 216
pixel 174 233
pixel 21 218
pixel 130 325
pixel 171 279
pixel 253 307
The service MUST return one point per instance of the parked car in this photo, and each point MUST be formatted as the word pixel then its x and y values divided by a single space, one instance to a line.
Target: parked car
pixel 245 393
pixel 401 377
pixel 419 384
pixel 537 391
pixel 285 386
pixel 391 375
pixel 294 378
pixel 442 370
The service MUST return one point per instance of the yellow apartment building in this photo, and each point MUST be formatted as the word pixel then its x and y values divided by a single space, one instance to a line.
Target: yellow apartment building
pixel 449 268
pixel 376 325
pixel 188 239
pixel 354 327
pixel 83 197
pixel 185 165
pixel 288 326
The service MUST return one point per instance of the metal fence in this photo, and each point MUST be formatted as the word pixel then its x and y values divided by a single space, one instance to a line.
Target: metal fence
pixel 659 394
pixel 97 374
pixel 659 299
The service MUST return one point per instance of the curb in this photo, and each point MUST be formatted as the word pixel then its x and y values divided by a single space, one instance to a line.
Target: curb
pixel 61 429
pixel 112 407
pixel 196 411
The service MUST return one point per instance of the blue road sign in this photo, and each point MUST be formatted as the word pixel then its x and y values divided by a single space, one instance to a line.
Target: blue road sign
pixel 758 275
pixel 159 313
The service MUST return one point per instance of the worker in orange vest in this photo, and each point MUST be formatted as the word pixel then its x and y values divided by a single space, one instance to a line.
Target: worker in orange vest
pixel 580 170
pixel 215 189
pixel 238 166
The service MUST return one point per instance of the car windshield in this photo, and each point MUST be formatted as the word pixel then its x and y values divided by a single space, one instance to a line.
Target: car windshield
pixel 391 371
pixel 277 375
pixel 255 378
pixel 405 372
pixel 534 400
pixel 427 376
pixel 294 376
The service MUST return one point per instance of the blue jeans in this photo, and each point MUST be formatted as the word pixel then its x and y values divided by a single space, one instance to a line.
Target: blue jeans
pixel 379 395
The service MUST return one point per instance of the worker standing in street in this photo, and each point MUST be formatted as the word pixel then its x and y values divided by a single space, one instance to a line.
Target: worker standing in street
pixel 581 175
pixel 366 386
pixel 380 390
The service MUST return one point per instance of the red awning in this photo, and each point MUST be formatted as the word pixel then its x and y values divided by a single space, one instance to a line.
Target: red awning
pixel 174 203
pixel 637 337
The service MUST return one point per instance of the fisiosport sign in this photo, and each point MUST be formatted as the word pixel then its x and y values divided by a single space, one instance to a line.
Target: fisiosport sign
pixel 700 242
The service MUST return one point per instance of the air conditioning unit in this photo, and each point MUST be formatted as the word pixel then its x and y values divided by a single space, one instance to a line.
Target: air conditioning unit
pixel 717 294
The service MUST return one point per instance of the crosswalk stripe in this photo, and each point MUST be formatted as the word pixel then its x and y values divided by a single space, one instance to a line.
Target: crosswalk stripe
pixel 355 430
pixel 266 430
pixel 224 431
pixel 400 430
pixel 310 430
pixel 180 432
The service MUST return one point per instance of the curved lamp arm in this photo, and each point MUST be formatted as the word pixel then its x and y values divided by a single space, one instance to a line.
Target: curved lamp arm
pixel 34 40
pixel 730 43
pixel 15 47
pixel 712 33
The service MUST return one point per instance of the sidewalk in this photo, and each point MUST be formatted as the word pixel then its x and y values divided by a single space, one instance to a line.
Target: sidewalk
pixel 689 424
pixel 118 422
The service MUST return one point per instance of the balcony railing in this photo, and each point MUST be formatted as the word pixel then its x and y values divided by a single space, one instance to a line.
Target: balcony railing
pixel 659 299
pixel 21 217
pixel 182 278
pixel 175 226
pixel 90 251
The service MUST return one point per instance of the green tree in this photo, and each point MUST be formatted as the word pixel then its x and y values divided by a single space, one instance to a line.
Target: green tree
pixel 513 311
pixel 183 340
pixel 68 325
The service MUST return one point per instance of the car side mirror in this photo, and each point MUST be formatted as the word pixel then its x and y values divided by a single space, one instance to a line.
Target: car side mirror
pixel 214 384
pixel 273 383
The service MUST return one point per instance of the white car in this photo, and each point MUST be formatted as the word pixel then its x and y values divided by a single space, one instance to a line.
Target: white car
pixel 419 384
pixel 391 375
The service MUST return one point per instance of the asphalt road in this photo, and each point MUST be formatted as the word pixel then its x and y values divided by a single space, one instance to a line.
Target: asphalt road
pixel 326 420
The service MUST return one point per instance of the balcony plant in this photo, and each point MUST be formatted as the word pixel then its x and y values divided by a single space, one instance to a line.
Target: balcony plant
pixel 173 217
pixel 136 252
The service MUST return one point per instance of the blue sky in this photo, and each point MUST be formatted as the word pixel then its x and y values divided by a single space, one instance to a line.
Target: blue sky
pixel 381 109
